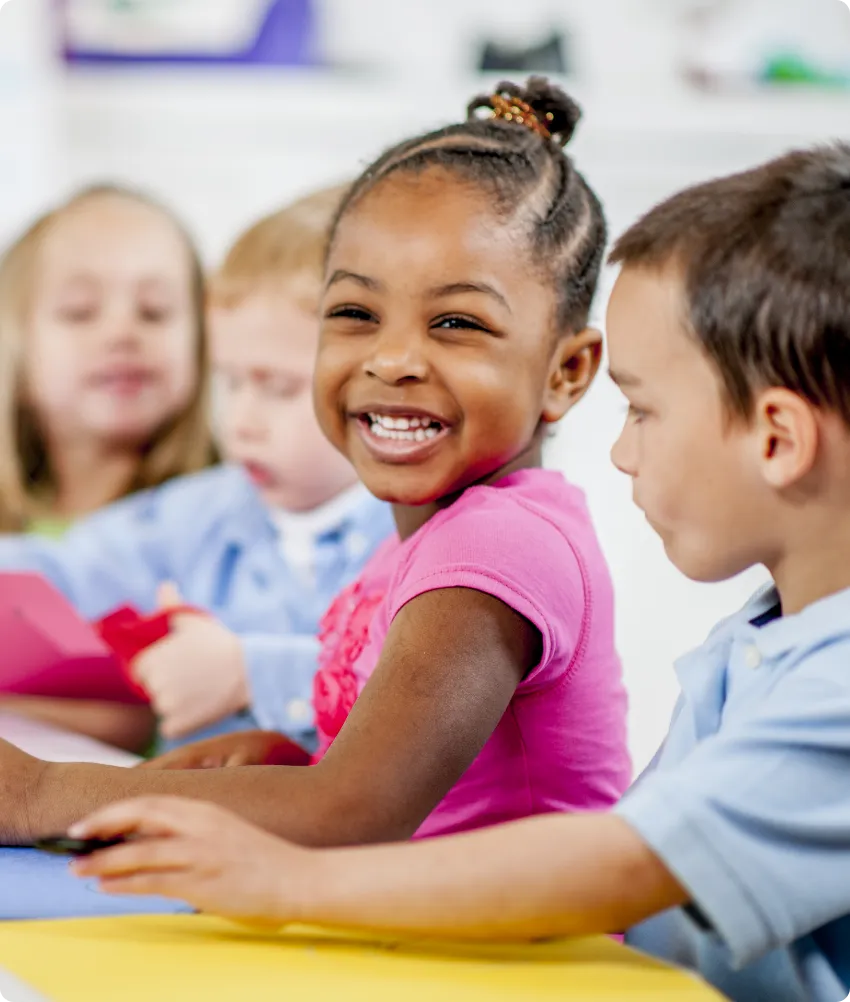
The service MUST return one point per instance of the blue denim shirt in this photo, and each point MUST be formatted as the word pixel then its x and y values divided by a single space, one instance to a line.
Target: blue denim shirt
pixel 748 804
pixel 211 534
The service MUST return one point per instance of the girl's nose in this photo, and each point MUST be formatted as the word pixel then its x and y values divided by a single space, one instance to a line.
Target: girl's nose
pixel 397 358
pixel 121 329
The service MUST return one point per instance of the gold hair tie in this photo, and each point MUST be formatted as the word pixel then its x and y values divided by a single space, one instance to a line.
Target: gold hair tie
pixel 512 109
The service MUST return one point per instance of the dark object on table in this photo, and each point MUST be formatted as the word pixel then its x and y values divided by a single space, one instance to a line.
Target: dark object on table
pixel 60 845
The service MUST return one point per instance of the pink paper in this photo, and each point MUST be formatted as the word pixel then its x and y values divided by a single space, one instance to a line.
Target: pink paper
pixel 48 649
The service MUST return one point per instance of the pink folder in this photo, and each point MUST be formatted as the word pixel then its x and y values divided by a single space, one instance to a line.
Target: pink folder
pixel 47 649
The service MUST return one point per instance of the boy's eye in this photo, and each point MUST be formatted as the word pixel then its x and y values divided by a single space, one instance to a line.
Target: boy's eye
pixel 636 414
pixel 349 313
pixel 284 389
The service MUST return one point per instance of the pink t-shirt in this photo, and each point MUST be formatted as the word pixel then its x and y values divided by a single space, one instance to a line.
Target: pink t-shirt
pixel 527 540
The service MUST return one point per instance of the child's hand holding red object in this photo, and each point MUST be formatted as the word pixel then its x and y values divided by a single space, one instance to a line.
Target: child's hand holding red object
pixel 194 674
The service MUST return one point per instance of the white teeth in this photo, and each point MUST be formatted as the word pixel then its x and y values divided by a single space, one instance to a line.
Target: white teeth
pixel 411 429
pixel 402 429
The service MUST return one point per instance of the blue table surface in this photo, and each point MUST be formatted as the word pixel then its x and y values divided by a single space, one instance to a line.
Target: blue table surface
pixel 35 885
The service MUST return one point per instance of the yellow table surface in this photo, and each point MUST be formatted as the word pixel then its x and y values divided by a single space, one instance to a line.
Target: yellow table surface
pixel 186 958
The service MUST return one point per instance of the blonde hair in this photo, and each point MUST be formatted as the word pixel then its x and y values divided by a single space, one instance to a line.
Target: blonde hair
pixel 182 445
pixel 289 244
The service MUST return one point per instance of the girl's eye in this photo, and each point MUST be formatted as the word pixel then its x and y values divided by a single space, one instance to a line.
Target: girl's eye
pixel 349 313
pixel 77 314
pixel 636 414
pixel 456 323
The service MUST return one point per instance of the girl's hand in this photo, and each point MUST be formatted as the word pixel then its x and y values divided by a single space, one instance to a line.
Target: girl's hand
pixel 198 853
pixel 230 750
pixel 196 675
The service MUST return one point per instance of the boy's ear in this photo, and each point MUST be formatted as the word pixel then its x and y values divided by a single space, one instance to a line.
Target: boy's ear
pixel 574 365
pixel 788 436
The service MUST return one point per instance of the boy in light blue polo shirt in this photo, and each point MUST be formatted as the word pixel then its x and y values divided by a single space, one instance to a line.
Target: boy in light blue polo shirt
pixel 729 333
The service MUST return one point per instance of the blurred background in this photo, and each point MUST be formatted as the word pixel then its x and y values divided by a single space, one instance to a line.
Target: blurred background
pixel 225 109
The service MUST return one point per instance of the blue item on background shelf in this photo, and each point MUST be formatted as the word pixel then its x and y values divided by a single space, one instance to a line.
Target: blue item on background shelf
pixel 285 36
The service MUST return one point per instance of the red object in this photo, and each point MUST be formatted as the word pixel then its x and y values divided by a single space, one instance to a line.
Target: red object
pixel 48 649
pixel 127 633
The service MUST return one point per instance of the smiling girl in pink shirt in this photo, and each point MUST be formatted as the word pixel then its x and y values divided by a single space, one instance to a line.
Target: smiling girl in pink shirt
pixel 470 675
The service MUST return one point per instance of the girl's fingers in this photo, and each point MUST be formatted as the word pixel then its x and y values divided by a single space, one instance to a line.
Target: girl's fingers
pixel 144 816
pixel 144 856
pixel 163 885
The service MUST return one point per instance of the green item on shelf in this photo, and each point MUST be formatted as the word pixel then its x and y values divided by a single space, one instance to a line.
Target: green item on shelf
pixel 788 68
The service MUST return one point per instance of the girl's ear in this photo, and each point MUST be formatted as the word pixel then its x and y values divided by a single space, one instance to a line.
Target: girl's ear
pixel 574 364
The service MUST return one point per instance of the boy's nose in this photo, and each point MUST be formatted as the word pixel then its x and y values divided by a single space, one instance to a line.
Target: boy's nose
pixel 243 413
pixel 622 455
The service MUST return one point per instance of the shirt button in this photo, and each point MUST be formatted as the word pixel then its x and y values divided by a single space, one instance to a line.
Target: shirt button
pixel 752 656
pixel 300 712
pixel 357 545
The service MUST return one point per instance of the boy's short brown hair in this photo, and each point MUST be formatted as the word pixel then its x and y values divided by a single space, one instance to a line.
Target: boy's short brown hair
pixel 765 261
pixel 289 244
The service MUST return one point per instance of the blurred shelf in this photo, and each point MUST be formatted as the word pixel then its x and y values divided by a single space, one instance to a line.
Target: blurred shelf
pixel 226 144
pixel 343 102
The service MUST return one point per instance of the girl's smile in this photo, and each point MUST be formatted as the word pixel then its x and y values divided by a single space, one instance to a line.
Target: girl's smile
pixel 403 435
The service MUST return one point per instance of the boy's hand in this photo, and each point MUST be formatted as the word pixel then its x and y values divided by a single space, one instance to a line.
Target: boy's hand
pixel 198 853
pixel 20 777
pixel 196 675
pixel 230 750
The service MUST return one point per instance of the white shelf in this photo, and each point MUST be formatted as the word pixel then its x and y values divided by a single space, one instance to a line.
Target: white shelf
pixel 297 97
pixel 224 144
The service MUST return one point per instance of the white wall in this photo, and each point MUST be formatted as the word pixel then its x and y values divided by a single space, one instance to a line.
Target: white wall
pixel 27 83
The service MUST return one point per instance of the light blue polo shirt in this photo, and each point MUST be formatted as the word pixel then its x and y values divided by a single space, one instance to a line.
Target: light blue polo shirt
pixel 748 804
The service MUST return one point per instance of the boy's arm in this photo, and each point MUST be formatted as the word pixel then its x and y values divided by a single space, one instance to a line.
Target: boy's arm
pixel 549 876
pixel 755 821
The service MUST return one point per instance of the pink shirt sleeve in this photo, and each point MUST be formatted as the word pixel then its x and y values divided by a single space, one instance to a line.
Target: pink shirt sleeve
pixel 516 555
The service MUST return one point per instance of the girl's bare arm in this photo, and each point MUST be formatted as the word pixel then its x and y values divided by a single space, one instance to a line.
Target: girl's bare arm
pixel 450 665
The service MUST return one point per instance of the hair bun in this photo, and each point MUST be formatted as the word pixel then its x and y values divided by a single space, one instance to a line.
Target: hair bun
pixel 554 110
